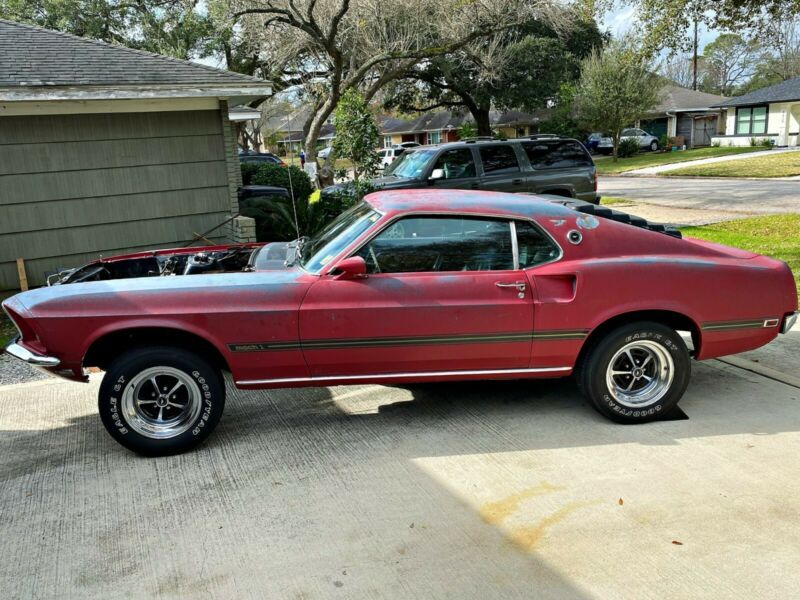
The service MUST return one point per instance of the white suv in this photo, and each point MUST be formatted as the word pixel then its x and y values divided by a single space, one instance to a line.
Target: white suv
pixel 388 155
pixel 646 141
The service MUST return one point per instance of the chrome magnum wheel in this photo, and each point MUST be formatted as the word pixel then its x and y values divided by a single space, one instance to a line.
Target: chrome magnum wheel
pixel 639 374
pixel 161 400
pixel 635 373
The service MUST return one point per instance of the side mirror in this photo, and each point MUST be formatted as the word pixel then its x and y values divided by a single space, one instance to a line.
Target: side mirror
pixel 436 174
pixel 352 267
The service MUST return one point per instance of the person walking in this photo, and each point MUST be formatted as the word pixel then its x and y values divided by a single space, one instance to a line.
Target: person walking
pixel 302 159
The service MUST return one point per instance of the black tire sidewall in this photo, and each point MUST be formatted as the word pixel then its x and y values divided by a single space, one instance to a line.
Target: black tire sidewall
pixel 127 366
pixel 597 362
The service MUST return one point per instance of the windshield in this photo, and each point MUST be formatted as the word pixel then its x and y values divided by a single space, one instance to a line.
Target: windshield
pixel 322 248
pixel 411 164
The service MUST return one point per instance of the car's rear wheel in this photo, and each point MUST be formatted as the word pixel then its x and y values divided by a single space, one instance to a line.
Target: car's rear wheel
pixel 636 373
pixel 654 145
pixel 162 400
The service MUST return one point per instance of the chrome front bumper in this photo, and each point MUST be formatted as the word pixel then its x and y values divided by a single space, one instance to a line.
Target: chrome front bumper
pixel 37 360
pixel 788 322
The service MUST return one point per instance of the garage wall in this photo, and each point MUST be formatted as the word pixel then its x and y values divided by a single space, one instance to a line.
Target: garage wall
pixel 74 187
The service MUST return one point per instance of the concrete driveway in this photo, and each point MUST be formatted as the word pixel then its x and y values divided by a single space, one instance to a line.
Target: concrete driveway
pixel 718 194
pixel 489 490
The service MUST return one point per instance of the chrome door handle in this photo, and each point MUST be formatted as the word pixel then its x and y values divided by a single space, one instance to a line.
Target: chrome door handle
pixel 520 285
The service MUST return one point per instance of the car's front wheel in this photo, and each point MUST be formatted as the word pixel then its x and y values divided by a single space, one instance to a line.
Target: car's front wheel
pixel 161 400
pixel 636 373
pixel 653 145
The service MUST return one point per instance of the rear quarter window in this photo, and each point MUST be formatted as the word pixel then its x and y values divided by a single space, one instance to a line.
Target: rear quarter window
pixel 498 159
pixel 559 154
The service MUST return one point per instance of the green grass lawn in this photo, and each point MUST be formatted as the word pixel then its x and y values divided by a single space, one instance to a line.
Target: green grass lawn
pixel 774 235
pixel 608 201
pixel 786 164
pixel 606 166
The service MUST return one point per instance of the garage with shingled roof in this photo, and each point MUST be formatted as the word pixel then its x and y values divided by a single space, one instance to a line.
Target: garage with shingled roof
pixel 105 150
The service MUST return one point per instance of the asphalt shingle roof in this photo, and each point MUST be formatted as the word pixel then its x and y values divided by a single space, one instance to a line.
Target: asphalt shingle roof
pixel 674 97
pixel 33 57
pixel 785 91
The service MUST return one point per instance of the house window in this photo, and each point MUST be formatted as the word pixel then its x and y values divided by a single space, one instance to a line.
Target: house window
pixel 387 141
pixel 751 120
pixel 434 137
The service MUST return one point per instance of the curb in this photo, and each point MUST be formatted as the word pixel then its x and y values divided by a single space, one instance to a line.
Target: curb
pixel 758 369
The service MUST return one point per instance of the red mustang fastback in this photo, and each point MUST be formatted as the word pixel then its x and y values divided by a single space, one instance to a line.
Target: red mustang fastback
pixel 406 286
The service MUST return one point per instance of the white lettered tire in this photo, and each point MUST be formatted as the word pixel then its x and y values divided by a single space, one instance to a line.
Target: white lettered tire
pixel 636 373
pixel 161 400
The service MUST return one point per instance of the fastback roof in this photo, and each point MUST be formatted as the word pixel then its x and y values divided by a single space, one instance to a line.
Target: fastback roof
pixel 466 201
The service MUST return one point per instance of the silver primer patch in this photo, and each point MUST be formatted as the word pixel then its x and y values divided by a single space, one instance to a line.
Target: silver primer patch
pixel 587 222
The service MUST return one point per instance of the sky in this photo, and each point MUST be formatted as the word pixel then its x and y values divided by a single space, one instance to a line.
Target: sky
pixel 620 19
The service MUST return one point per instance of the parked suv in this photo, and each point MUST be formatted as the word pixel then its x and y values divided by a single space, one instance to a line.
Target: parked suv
pixel 537 164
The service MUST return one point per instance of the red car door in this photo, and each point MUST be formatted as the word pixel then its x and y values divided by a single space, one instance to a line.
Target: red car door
pixel 442 294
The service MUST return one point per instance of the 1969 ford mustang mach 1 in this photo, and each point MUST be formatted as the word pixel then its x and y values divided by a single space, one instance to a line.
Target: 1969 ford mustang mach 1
pixel 416 285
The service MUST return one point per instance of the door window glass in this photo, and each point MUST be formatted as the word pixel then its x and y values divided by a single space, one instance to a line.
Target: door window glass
pixel 456 164
pixel 440 244
pixel 533 245
pixel 498 159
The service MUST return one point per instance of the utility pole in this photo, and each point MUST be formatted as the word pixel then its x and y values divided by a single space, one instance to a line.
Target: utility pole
pixel 694 56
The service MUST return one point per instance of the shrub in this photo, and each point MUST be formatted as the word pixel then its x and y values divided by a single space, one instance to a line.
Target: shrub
pixel 753 141
pixel 627 147
pixel 272 174
pixel 275 216
pixel 716 144
pixel 767 142
pixel 663 141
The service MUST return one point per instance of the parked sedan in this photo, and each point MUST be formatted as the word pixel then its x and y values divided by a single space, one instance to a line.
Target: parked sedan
pixel 645 140
pixel 412 285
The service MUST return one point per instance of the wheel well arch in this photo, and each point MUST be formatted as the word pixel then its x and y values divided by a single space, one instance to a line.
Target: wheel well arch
pixel 673 319
pixel 106 348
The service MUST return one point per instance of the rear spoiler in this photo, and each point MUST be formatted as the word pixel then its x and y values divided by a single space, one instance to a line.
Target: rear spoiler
pixel 615 215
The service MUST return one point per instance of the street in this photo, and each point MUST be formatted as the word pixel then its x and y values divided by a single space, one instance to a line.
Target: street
pixel 479 490
pixel 742 195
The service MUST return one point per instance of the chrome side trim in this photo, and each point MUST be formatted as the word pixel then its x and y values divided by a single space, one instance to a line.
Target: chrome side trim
pixel 789 321
pixel 771 322
pixel 37 360
pixel 405 375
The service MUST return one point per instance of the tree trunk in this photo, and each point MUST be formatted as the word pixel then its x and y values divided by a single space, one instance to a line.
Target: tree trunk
pixel 616 146
pixel 482 120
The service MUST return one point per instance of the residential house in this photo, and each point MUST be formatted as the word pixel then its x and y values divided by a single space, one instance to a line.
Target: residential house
pixel 771 113
pixel 687 113
pixel 287 132
pixel 106 150
pixel 442 126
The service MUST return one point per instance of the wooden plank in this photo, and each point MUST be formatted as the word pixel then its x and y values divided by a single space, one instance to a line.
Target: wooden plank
pixel 63 214
pixel 49 129
pixel 43 187
pixel 104 239
pixel 105 154
pixel 23 278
